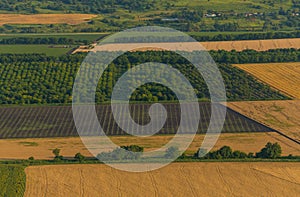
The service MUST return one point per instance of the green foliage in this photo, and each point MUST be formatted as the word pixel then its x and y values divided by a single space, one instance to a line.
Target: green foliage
pixel 31 158
pixel 132 152
pixel 133 148
pixel 57 156
pixel 171 152
pixel 194 15
pixel 224 152
pixel 217 36
pixel 12 181
pixel 40 79
pixel 51 39
pixel 271 151
pixel 56 50
pixel 79 157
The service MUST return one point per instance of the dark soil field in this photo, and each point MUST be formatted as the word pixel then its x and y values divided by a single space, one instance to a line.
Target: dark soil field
pixel 57 121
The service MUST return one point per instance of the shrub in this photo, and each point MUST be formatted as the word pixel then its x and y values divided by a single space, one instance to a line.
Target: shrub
pixel 171 152
pixel 79 157
pixel 270 151
pixel 31 158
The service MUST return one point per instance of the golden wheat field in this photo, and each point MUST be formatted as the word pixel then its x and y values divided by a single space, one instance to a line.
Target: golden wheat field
pixel 284 77
pixel 45 18
pixel 258 45
pixel 283 116
pixel 176 179
pixel 41 148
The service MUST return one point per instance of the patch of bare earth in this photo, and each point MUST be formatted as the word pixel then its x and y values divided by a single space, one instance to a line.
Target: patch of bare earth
pixel 177 179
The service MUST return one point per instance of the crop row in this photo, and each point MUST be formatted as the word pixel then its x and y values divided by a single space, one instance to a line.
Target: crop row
pixel 57 121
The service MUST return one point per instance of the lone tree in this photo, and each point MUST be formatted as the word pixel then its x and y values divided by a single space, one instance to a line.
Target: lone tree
pixel 56 152
pixel 79 157
pixel 57 155
pixel 270 150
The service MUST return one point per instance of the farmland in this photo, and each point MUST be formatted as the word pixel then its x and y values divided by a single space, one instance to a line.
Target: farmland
pixel 41 148
pixel 71 19
pixel 75 37
pixel 193 16
pixel 57 121
pixel 281 115
pixel 29 79
pixel 285 77
pixel 56 50
pixel 207 179
pixel 12 180
pixel 258 45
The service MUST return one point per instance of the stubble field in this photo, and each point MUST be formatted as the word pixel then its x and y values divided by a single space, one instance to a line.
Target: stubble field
pixel 284 77
pixel 42 148
pixel 71 19
pixel 283 116
pixel 177 179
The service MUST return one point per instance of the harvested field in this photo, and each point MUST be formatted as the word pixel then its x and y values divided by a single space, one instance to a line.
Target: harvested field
pixel 71 19
pixel 42 148
pixel 258 45
pixel 57 121
pixel 284 77
pixel 283 116
pixel 177 179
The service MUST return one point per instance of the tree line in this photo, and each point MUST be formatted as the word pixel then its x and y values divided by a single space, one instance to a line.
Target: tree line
pixel 219 56
pixel 46 40
pixel 247 36
pixel 270 151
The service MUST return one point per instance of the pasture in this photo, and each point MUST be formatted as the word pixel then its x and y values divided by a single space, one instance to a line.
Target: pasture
pixel 55 50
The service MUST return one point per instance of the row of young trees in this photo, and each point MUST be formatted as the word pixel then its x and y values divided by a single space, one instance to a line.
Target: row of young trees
pixel 247 36
pixel 52 82
pixel 219 56
pixel 44 40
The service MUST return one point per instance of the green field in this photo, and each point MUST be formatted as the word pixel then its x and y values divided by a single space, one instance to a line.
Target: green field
pixel 21 49
pixel 75 36
pixel 12 180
